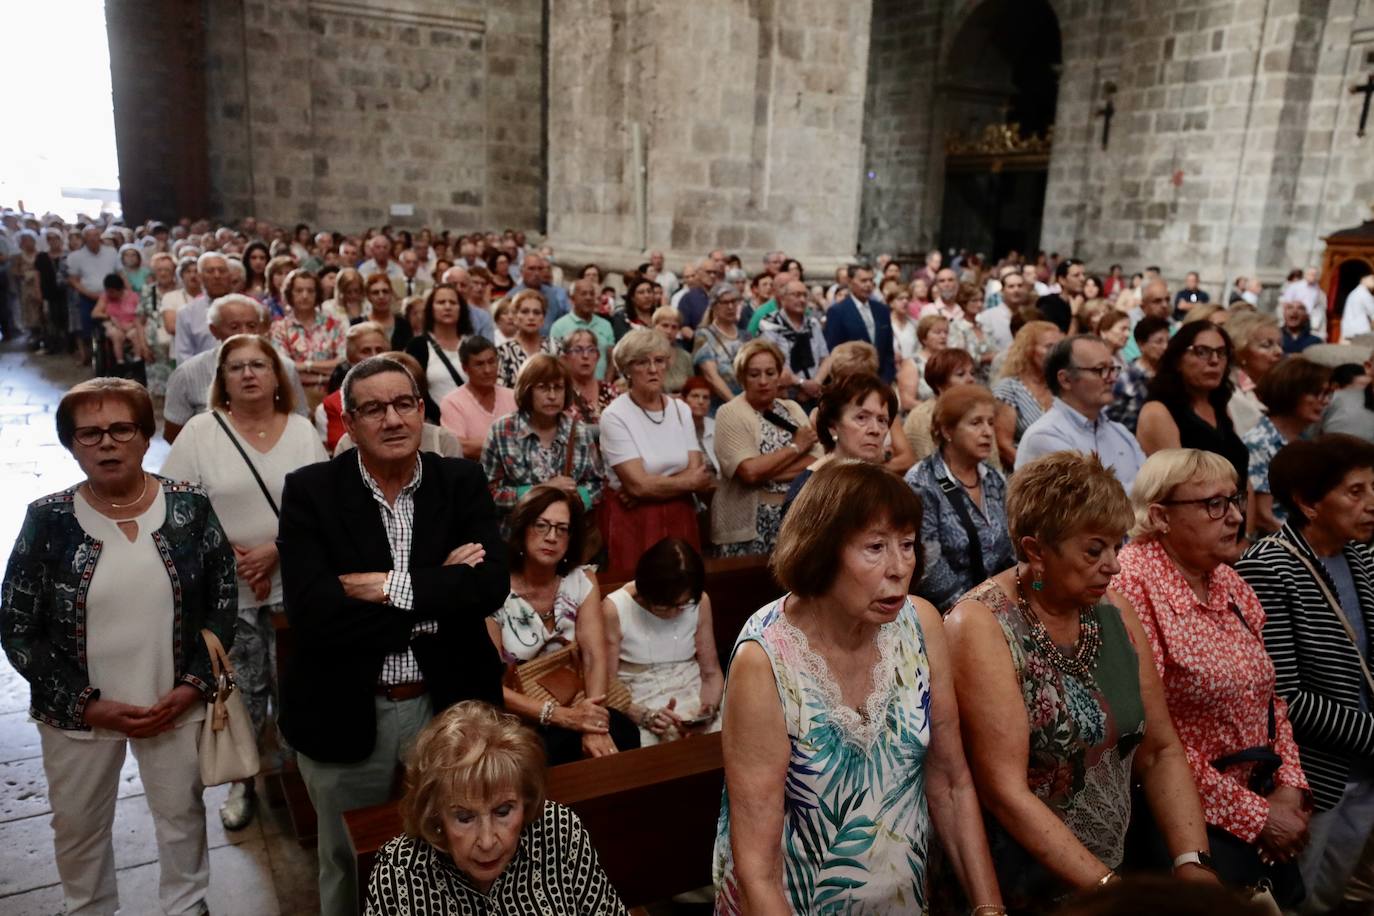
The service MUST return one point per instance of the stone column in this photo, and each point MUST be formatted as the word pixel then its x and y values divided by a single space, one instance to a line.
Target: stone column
pixel 751 117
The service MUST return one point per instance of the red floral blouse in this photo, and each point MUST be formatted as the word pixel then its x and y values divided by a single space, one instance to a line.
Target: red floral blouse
pixel 1218 679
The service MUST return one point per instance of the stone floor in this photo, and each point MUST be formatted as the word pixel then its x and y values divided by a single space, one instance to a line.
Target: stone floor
pixel 259 871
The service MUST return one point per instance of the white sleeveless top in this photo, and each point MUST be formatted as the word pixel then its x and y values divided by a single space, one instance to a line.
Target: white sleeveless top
pixel 649 640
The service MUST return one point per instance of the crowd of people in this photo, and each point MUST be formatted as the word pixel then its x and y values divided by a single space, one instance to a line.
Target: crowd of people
pixel 1077 571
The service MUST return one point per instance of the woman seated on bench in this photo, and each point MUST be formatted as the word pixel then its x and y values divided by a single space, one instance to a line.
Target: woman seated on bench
pixel 479 836
pixel 662 645
pixel 552 604
pixel 117 309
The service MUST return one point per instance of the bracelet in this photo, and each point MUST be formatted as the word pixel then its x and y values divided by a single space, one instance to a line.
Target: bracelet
pixel 546 713
pixel 988 909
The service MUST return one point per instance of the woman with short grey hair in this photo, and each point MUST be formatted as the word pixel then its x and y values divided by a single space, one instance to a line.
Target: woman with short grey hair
pixel 718 342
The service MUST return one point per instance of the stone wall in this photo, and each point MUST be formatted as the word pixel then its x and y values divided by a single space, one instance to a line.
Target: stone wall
pixel 333 110
pixel 750 117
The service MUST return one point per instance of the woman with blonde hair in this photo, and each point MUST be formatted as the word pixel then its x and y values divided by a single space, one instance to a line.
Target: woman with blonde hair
pixel 349 296
pixel 932 334
pixel 480 835
pixel 1021 382
pixel 1258 345
pixel 668 322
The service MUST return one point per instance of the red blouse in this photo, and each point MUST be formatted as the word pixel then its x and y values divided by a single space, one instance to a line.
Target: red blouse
pixel 1218 679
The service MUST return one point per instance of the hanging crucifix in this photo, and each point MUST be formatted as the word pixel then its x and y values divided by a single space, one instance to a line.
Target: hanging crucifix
pixel 1107 112
pixel 1367 88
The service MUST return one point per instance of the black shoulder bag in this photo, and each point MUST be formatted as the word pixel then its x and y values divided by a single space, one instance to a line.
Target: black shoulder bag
pixel 262 485
pixel 952 492
pixel 443 358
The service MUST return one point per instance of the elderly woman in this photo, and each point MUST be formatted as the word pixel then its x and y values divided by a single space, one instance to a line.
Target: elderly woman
pixel 1187 407
pixel 668 322
pixel 1255 339
pixel 152 311
pixel 932 332
pixel 349 296
pixel 542 443
pixel 106 593
pixel 762 443
pixel 1204 623
pixel 964 528
pixel 313 340
pixel 852 420
pixel 580 352
pixel 696 394
pixel 529 307
pixel 554 603
pixel 658 628
pixel 1315 581
pixel 380 301
pixel 1060 701
pixel 947 369
pixel 1296 394
pixel 841 736
pixel 1021 382
pixel 240 452
pixel 653 459
pixel 447 324
pixel 470 411
pixel 1132 388
pixel 363 341
pixel 479 836
pixel 1115 330
pixel 857 356
pixel 717 344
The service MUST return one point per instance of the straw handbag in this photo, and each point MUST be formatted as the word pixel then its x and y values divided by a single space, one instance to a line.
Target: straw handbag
pixel 557 677
pixel 228 743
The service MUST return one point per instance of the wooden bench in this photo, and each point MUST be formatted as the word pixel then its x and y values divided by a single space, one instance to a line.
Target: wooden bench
pixel 738 586
pixel 651 814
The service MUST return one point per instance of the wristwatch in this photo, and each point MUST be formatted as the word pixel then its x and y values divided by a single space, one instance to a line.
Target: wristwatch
pixel 1200 858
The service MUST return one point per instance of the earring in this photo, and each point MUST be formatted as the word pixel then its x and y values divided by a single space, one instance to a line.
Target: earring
pixel 1036 584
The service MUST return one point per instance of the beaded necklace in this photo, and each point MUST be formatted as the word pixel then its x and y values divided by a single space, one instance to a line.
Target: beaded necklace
pixel 1080 665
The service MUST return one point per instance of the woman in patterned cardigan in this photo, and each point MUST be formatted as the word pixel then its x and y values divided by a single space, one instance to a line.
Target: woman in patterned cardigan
pixel 107 591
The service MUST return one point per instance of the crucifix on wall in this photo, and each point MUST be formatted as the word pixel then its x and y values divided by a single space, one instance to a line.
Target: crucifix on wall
pixel 1107 111
pixel 1367 89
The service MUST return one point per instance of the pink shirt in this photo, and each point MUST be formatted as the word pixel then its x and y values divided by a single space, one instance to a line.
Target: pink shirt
pixel 124 309
pixel 460 414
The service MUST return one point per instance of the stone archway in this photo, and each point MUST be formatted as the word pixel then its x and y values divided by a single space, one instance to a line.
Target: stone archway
pixel 996 102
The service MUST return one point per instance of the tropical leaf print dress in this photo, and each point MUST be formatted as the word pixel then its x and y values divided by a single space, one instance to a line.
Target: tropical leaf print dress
pixel 856 827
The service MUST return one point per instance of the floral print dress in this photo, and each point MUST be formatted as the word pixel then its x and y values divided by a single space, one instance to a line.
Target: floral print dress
pixel 856 829
pixel 1083 737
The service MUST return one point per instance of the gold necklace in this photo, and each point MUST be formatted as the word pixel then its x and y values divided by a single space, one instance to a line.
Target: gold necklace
pixel 262 433
pixel 114 505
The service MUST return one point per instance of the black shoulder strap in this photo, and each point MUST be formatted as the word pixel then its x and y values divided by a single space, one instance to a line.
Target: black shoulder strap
pixel 443 358
pixel 248 461
pixel 958 499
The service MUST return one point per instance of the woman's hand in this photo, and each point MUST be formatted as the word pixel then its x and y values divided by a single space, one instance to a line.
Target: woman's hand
pixel 116 716
pixel 1285 829
pixel 697 479
pixel 804 439
pixel 587 715
pixel 598 745
pixel 256 563
pixel 664 720
pixel 466 555
pixel 163 714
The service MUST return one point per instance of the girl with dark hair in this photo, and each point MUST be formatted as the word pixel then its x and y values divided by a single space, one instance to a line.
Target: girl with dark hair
pixel 553 604
pixel 255 259
pixel 642 297
pixel 447 322
pixel 662 645
pixel 1186 407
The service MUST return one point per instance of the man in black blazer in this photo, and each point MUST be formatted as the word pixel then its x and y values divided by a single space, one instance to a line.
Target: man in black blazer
pixel 859 317
pixel 391 562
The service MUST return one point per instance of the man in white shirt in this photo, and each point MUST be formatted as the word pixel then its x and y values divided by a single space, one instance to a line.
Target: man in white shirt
pixel 193 321
pixel 944 299
pixel 1358 315
pixel 1311 296
pixel 379 247
pixel 666 278
pixel 87 268
pixel 996 321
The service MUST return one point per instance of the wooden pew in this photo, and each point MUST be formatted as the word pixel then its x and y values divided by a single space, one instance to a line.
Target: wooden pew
pixel 651 814
pixel 738 586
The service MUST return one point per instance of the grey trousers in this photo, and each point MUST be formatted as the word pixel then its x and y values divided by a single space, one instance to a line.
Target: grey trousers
pixel 338 787
pixel 1338 856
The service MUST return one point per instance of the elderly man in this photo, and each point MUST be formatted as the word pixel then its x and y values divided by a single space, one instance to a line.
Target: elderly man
pixel 695 301
pixel 1080 374
pixel 1154 303
pixel 188 387
pixel 944 298
pixel 391 562
pixel 193 326
pixel 482 322
pixel 931 268
pixel 379 259
pixel 995 320
pixel 773 261
pixel 858 317
pixel 806 357
pixel 767 309
pixel 584 317
pixel 536 273
pixel 1358 315
pixel 87 268
pixel 319 257
pixel 665 277
pixel 414 279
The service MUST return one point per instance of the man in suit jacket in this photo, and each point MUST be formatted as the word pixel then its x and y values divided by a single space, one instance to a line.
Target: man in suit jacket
pixel 858 317
pixel 391 562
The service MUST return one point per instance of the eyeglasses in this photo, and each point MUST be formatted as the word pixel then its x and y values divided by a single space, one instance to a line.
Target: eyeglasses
pixel 658 362
pixel 94 435
pixel 581 351
pixel 238 367
pixel 549 387
pixel 542 528
pixel 1206 353
pixel 1102 372
pixel 1216 505
pixel 374 411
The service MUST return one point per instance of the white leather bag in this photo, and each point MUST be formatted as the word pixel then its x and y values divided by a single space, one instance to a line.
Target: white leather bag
pixel 228 744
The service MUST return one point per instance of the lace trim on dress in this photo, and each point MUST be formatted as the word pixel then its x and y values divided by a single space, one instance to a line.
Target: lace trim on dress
pixel 859 729
pixel 1101 811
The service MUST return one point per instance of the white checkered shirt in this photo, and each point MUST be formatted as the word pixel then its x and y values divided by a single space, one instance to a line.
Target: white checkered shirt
pixel 399 522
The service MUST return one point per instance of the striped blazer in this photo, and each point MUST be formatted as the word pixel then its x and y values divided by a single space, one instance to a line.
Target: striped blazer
pixel 1317 666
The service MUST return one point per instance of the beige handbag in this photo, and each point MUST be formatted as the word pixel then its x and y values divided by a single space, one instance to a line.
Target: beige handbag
pixel 228 743
pixel 557 676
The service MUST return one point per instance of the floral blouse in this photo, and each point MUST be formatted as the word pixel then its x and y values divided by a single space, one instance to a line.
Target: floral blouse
pixel 323 340
pixel 1218 679
pixel 1264 441
pixel 524 636
pixel 510 356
